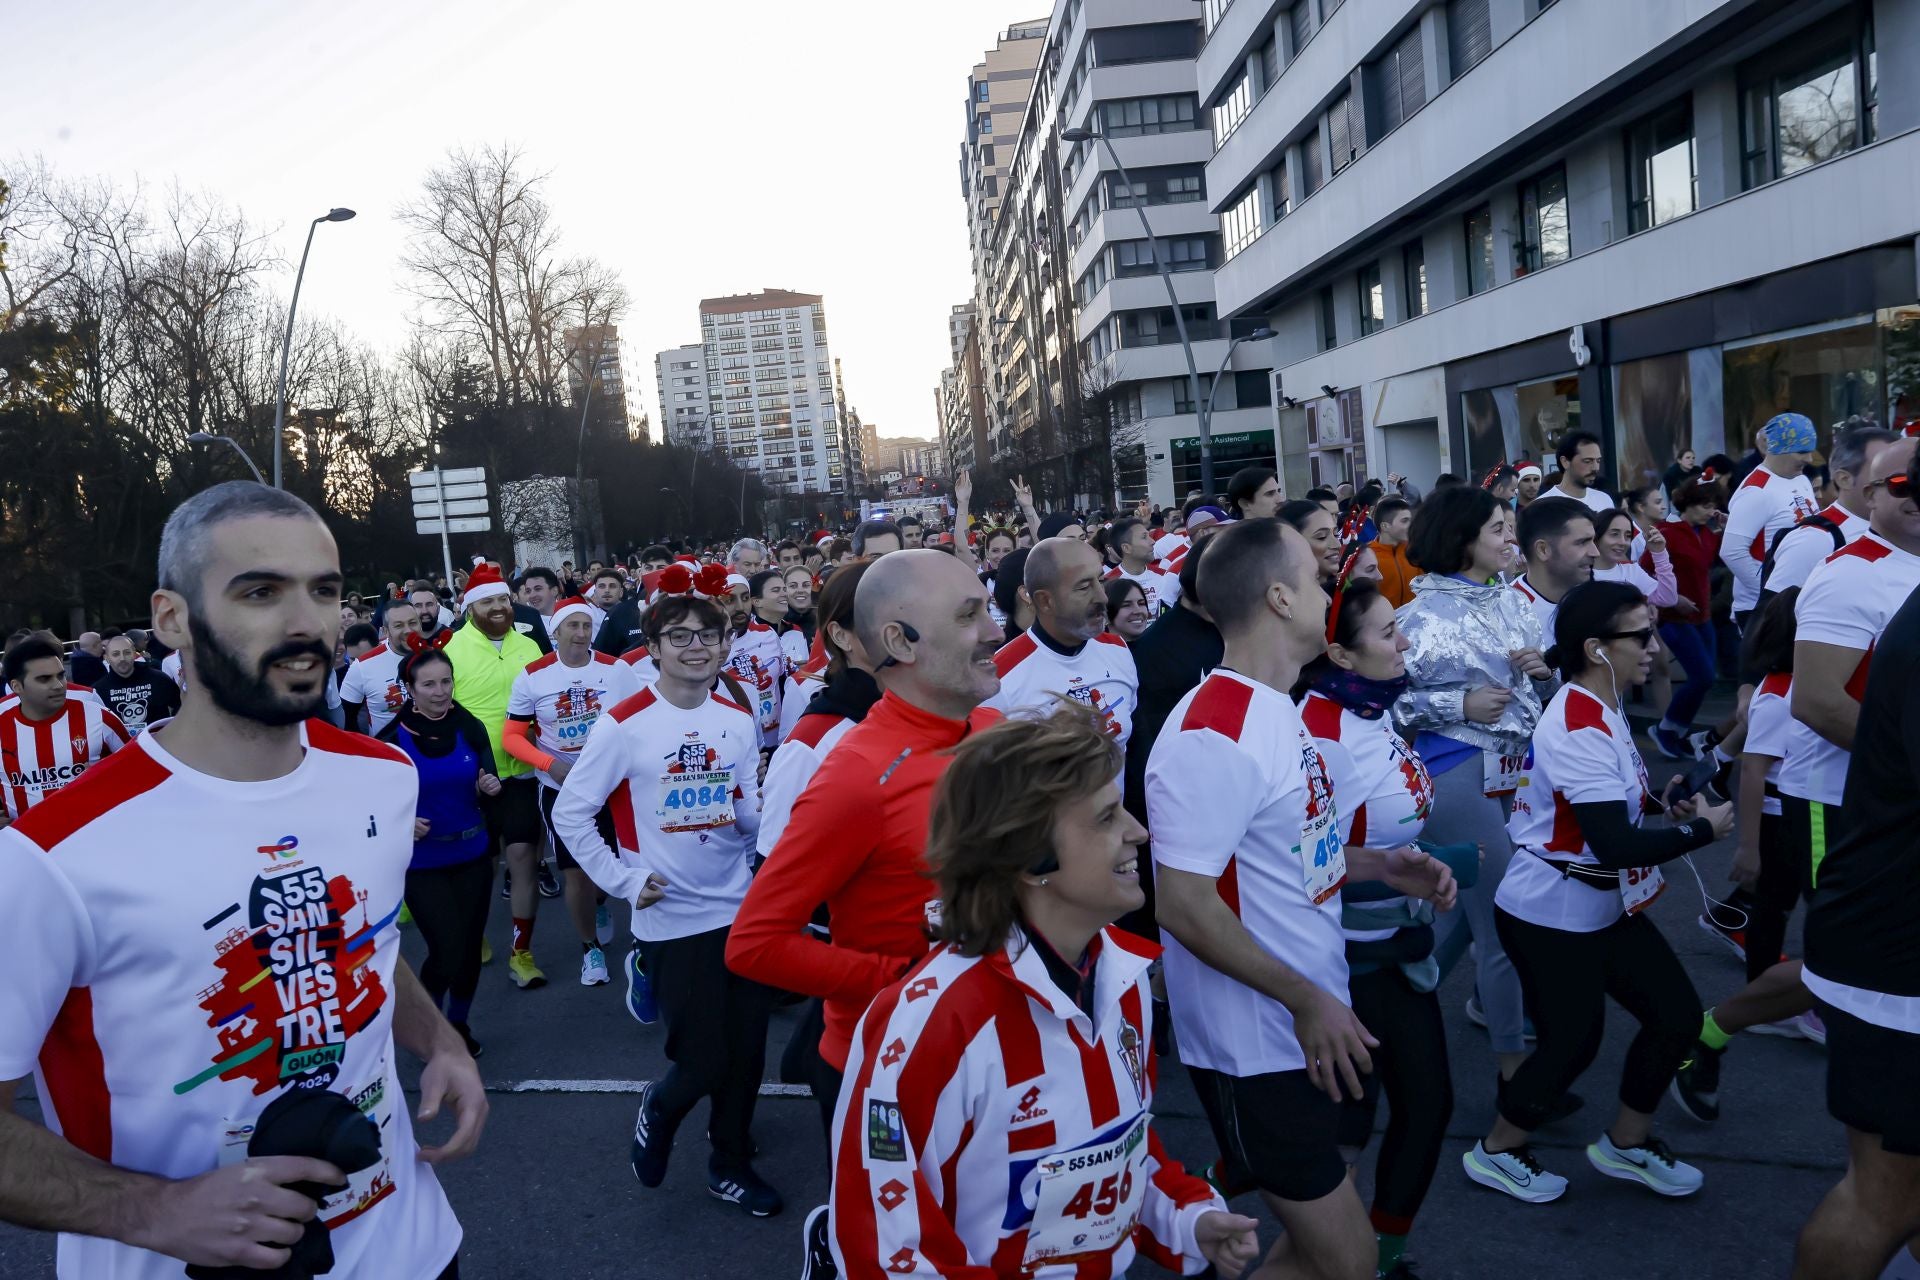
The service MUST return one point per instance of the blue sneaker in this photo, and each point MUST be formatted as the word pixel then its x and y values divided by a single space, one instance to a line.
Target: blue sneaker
pixel 640 1002
pixel 1671 744
pixel 652 1142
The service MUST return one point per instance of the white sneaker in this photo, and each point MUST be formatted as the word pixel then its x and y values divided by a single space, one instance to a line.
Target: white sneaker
pixel 1812 1028
pixel 1515 1172
pixel 593 968
pixel 1650 1163
pixel 1804 1026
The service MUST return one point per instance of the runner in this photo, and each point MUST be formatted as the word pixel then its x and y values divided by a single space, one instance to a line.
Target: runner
pixel 124 967
pixel 1791 556
pixel 488 653
pixel 47 740
pixel 1579 456
pixel 678 765
pixel 134 691
pixel 620 629
pixel 1252 492
pixel 857 835
pixel 1249 864
pixel 553 708
pixel 1570 908
pixel 1068 652
pixel 1774 497
pixel 756 658
pixel 1003 1087
pixel 767 590
pixel 1134 541
pixel 372 685
pixel 1556 535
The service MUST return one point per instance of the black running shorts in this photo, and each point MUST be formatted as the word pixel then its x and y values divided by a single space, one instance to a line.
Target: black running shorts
pixel 1870 1071
pixel 1280 1129
pixel 514 815
pixel 604 821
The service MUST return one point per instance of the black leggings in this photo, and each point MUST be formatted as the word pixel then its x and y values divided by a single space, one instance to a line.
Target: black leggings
pixel 1783 882
pixel 1566 978
pixel 449 905
pixel 1410 1066
pixel 716 1040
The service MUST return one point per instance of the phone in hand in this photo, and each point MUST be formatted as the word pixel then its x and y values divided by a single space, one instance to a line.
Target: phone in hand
pixel 1687 785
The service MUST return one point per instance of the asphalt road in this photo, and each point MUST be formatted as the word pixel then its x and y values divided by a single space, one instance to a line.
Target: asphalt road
pixel 550 1194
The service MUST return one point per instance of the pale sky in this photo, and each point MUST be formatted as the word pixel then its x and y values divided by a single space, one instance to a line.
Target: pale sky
pixel 700 149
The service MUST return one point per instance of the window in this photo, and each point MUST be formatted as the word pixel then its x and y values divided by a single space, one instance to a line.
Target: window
pixel 986 121
pixel 1544 239
pixel 1241 224
pixel 1373 300
pixel 1480 249
pixel 1213 11
pixel 1154 328
pixel 1311 174
pixel 1329 335
pixel 1156 186
pixel 1232 110
pixel 1300 22
pixel 980 91
pixel 1413 265
pixel 1398 83
pixel 1340 131
pixel 1183 394
pixel 1469 34
pixel 1188 253
pixel 1662 176
pixel 1252 387
pixel 1269 63
pixel 1134 116
pixel 1801 108
pixel 1282 192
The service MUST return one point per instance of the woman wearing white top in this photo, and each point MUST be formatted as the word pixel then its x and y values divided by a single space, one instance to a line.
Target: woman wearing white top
pixel 1570 908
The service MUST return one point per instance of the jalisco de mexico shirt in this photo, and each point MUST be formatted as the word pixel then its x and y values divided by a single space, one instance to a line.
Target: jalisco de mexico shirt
pixel 163 993
pixel 373 679
pixel 39 757
pixel 1100 674
pixel 1582 752
pixel 684 790
pixel 1847 602
pixel 564 702
pixel 1762 506
pixel 1236 790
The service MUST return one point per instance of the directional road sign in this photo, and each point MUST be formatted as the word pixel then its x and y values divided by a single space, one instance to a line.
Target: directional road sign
pixel 431 510
pixel 468 524
pixel 450 476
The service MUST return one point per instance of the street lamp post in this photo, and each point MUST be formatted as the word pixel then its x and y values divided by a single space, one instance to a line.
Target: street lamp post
pixel 1206 416
pixel 286 344
pixel 1166 278
pixel 207 437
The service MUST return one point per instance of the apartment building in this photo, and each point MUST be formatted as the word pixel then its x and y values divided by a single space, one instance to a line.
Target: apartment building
pixel 771 388
pixel 598 355
pixel 1474 226
pixel 680 381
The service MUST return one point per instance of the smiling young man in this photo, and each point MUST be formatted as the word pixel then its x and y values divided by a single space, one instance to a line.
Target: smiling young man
pixel 164 991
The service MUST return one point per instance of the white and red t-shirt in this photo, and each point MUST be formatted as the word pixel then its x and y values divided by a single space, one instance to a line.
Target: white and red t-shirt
pixel 75 693
pixel 758 660
pixel 684 790
pixel 1236 790
pixel 373 679
pixel 1383 789
pixel 565 702
pixel 645 670
pixel 1762 506
pixel 39 757
pixel 1808 545
pixel 1101 675
pixel 1847 602
pixel 793 765
pixel 1582 752
pixel 1770 726
pixel 1543 608
pixel 1162 588
pixel 162 995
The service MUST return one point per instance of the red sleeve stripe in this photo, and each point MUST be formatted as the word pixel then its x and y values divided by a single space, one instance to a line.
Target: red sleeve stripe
pixel 1107 637
pixel 625 829
pixel 1020 1054
pixel 853 1210
pixel 1584 711
pixel 966 1004
pixel 1777 683
pixel 322 736
pixel 633 705
pixel 374 652
pixel 76 1075
pixel 810 729
pixel 1756 479
pixel 605 659
pixel 1229 886
pixel 1013 653
pixel 1322 717
pixel 1221 705
pixel 542 662
pixel 107 785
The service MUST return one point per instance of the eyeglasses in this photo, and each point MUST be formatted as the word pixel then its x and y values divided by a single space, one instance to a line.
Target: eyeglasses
pixel 1899 484
pixel 1645 636
pixel 681 637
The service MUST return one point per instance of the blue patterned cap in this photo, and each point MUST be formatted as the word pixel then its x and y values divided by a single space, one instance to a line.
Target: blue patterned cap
pixel 1788 433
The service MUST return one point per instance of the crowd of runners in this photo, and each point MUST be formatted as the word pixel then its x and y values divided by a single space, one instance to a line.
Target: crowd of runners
pixel 1022 811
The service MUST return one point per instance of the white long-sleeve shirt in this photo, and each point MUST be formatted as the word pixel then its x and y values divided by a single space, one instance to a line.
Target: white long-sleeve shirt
pixel 683 788
pixel 1762 506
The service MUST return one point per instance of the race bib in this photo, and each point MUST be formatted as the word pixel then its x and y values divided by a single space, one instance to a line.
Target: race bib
pixel 695 801
pixel 1088 1199
pixel 365 1188
pixel 1323 858
pixel 1640 886
pixel 1502 775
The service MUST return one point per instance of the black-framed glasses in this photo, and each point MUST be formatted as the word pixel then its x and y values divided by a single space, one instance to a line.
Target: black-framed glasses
pixel 1645 636
pixel 682 637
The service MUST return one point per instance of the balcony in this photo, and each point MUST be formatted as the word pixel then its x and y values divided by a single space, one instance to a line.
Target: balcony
pixel 1145 151
pixel 1136 293
pixel 1188 218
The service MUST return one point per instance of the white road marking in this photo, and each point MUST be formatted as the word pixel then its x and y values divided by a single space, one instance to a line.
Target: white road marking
pixel 768 1089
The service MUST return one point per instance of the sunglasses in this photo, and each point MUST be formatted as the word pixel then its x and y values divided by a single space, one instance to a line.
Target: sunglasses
pixel 682 637
pixel 1900 484
pixel 1644 636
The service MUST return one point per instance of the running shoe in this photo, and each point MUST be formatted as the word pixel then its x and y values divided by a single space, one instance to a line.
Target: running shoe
pixel 744 1187
pixel 818 1262
pixel 602 925
pixel 1670 743
pixel 506 884
pixel 1515 1172
pixel 1650 1163
pixel 474 1047
pixel 1478 1017
pixel 1703 741
pixel 1805 1026
pixel 652 1142
pixel 547 882
pixel 1812 1028
pixel 640 1002
pixel 525 973
pixel 486 949
pixel 1696 1086
pixel 1735 940
pixel 593 968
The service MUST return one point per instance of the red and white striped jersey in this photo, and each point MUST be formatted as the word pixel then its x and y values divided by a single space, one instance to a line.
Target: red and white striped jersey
pixel 1543 608
pixel 988 1126
pixel 1162 588
pixel 38 757
pixel 1762 506
pixel 75 692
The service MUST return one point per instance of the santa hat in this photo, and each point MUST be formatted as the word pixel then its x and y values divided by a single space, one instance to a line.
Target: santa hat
pixel 482 584
pixel 567 608
pixel 1529 470
pixel 736 580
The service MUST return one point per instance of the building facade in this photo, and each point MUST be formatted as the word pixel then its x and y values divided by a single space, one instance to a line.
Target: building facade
pixel 770 388
pixel 1475 226
pixel 680 381
pixel 598 357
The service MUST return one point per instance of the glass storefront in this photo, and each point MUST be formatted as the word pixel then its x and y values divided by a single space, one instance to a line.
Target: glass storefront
pixel 1521 420
pixel 1230 453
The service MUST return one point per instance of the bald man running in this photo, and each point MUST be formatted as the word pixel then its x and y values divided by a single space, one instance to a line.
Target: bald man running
pixel 857 834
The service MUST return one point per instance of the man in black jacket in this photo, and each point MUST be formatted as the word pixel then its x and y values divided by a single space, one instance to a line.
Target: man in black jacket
pixel 621 630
